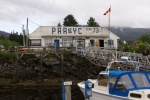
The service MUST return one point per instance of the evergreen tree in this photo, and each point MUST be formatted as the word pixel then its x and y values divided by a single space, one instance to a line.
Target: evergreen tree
pixel 16 37
pixel 70 21
pixel 91 22
pixel 2 37
pixel 145 38
pixel 59 25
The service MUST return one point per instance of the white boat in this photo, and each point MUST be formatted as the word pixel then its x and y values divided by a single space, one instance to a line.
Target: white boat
pixel 118 84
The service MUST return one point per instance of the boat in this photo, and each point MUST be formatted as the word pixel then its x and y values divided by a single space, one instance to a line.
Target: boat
pixel 118 84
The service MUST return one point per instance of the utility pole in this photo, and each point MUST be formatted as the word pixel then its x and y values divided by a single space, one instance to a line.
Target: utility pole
pixel 23 31
pixel 27 34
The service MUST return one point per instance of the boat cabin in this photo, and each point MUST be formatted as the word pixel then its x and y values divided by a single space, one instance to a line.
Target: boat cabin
pixel 122 82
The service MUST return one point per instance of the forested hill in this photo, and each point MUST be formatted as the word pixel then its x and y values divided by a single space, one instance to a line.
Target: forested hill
pixel 127 33
pixel 5 34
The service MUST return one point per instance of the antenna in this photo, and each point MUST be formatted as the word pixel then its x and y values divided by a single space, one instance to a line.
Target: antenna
pixel 23 31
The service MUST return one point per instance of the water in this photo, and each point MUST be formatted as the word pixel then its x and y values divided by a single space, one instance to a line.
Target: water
pixel 52 92
pixel 29 94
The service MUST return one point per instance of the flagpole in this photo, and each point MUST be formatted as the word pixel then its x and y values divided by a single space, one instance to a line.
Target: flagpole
pixel 109 39
pixel 109 25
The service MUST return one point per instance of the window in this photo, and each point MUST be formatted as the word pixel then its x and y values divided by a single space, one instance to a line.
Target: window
pixel 102 80
pixel 36 42
pixel 127 82
pixel 81 43
pixel 135 95
pixel 140 80
pixel 148 76
pixel 110 42
pixel 112 82
pixel 124 83
pixel 67 42
pixel 48 41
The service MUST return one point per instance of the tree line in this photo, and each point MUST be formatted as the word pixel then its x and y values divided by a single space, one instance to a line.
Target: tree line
pixel 71 21
pixel 14 39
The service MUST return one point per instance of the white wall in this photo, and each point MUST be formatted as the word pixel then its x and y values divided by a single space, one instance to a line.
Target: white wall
pixel 115 38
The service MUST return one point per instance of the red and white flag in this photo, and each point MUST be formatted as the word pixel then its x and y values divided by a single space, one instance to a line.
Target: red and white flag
pixel 109 10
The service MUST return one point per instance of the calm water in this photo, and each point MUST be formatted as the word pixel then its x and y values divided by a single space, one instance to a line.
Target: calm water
pixel 29 94
pixel 51 93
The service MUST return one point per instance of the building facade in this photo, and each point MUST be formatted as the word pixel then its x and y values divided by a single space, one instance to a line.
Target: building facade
pixel 73 37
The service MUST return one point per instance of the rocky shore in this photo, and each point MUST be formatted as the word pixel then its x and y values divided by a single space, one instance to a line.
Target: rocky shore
pixel 40 77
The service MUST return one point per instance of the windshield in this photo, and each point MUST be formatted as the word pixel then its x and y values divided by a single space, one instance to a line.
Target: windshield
pixel 102 80
pixel 124 83
pixel 140 80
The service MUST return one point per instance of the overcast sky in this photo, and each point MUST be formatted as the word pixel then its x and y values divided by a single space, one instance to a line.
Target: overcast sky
pixel 129 13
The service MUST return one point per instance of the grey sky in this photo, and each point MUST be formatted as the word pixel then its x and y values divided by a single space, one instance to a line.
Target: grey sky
pixel 131 13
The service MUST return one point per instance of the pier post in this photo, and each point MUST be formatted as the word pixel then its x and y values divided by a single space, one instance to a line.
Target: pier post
pixel 62 69
pixel 66 90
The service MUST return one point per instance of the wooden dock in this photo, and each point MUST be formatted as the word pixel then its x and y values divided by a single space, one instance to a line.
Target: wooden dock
pixel 96 55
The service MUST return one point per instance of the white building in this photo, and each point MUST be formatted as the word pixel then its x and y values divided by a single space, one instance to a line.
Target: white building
pixel 73 36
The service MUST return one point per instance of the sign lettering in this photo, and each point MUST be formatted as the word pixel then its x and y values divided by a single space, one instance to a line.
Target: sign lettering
pixel 75 30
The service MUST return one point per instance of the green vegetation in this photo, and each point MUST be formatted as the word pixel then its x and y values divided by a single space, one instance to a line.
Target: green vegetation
pixel 7 43
pixel 71 21
pixel 13 40
pixel 16 38
pixel 142 43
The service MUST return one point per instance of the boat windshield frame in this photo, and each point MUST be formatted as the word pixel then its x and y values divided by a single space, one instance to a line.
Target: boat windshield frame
pixel 109 66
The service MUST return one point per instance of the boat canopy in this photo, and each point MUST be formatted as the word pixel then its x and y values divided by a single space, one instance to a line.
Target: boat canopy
pixel 121 82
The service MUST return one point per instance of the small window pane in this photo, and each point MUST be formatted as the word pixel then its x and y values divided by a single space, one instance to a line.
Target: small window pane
pixel 141 80
pixel 127 82
pixel 124 83
pixel 112 82
pixel 102 80
pixel 110 42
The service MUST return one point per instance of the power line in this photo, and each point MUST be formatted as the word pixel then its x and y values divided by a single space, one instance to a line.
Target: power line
pixel 34 23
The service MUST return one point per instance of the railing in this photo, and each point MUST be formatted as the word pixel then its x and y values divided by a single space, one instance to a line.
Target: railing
pixel 97 55
pixel 101 56
pixel 40 48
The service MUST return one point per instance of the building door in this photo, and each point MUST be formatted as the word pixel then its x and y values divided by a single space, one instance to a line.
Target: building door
pixel 81 43
pixel 92 43
pixel 56 42
pixel 101 43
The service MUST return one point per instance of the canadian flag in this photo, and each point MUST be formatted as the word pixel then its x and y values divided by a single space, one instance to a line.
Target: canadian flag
pixel 109 10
